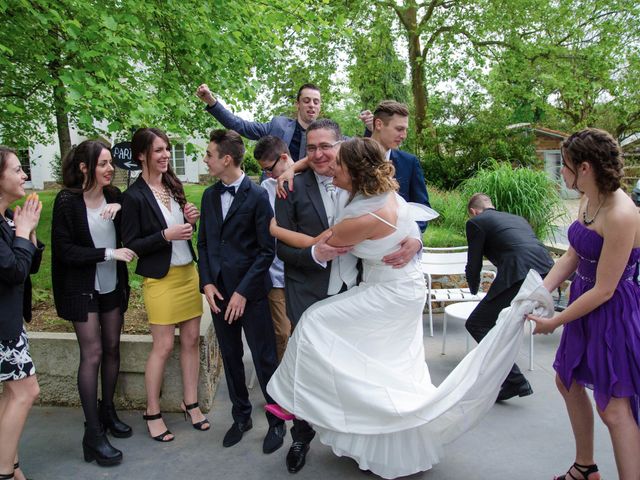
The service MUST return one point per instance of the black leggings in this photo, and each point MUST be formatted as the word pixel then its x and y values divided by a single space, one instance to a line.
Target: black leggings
pixel 99 340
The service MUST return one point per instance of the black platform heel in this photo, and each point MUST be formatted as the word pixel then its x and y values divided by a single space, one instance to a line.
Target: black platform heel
pixel 584 470
pixel 163 436
pixel 111 422
pixel 96 446
pixel 202 425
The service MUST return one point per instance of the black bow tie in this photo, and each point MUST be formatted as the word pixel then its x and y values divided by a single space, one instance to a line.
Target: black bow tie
pixel 220 187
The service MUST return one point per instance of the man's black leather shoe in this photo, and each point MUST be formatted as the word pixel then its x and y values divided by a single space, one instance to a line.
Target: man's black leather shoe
pixel 234 434
pixel 509 391
pixel 297 456
pixel 274 438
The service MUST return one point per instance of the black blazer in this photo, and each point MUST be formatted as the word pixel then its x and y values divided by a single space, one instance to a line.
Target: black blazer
pixel 239 249
pixel 74 255
pixel 509 243
pixel 303 211
pixel 18 258
pixel 142 224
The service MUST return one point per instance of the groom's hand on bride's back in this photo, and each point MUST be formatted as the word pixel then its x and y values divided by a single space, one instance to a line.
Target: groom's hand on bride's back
pixel 408 249
pixel 324 252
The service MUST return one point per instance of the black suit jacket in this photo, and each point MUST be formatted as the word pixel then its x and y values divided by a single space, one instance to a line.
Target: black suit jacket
pixel 238 250
pixel 306 282
pixel 142 224
pixel 509 243
pixel 18 258
pixel 74 256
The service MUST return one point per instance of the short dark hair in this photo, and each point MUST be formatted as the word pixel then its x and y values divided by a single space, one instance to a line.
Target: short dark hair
pixel 387 109
pixel 479 201
pixel 229 142
pixel 325 124
pixel 599 149
pixel 270 148
pixel 4 157
pixel 310 86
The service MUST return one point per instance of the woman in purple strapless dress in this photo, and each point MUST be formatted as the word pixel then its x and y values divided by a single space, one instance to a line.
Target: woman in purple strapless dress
pixel 600 345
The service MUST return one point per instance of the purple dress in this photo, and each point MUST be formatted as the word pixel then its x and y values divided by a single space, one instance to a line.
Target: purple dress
pixel 601 350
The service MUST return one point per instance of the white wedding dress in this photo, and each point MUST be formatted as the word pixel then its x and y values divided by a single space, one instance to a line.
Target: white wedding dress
pixel 355 366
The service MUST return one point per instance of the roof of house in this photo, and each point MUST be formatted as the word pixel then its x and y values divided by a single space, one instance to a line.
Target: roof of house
pixel 538 129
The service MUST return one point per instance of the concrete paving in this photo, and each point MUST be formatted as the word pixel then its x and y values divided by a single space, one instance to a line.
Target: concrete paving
pixel 524 438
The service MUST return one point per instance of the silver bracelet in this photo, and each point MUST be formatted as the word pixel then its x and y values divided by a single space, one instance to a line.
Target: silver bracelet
pixel 108 254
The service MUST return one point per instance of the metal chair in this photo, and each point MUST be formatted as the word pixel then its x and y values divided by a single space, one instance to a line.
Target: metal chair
pixel 447 261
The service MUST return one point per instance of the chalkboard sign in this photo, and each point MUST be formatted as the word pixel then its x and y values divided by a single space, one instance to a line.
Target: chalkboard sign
pixel 122 156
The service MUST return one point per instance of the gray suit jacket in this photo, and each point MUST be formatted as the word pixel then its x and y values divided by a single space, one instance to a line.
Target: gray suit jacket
pixel 281 127
pixel 306 282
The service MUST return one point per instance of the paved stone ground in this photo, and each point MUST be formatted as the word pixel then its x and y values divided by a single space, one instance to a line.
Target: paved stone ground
pixel 525 438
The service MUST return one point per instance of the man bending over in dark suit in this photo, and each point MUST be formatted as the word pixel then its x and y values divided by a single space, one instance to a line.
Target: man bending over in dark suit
pixel 509 243
pixel 236 251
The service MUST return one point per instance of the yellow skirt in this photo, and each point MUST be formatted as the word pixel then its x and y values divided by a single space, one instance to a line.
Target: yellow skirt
pixel 173 298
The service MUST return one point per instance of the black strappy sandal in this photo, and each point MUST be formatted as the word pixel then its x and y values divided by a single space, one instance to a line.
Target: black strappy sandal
pixel 584 470
pixel 6 476
pixel 202 425
pixel 163 436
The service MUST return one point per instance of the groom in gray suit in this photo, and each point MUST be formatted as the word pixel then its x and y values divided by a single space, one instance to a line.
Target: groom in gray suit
pixel 314 273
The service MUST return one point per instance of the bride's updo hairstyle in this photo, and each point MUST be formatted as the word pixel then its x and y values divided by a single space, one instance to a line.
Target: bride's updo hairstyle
pixel 601 151
pixel 371 174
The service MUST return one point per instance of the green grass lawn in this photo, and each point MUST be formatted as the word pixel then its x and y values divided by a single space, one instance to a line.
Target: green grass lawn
pixel 435 236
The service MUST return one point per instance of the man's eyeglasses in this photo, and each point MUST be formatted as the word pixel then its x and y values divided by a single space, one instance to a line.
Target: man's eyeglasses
pixel 324 147
pixel 273 165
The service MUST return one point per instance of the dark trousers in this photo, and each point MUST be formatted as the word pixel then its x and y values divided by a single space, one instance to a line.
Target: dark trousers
pixel 484 318
pixel 258 329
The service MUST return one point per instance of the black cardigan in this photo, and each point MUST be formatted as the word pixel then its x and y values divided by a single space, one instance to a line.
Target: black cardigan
pixel 18 258
pixel 142 224
pixel 74 256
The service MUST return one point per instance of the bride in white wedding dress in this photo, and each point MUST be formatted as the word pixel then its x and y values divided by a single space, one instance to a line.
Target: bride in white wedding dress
pixel 355 366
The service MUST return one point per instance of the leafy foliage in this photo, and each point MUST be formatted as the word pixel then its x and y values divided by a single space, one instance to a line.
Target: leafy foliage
pixel 521 191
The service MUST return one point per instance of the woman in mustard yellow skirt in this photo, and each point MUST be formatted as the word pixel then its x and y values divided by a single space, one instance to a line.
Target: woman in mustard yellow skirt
pixel 157 224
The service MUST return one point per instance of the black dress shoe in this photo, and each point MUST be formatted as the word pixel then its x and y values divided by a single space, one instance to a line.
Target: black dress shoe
pixel 297 456
pixel 509 391
pixel 274 438
pixel 234 434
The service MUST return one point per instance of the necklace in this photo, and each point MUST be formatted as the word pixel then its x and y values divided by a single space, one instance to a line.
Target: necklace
pixel 162 195
pixel 584 214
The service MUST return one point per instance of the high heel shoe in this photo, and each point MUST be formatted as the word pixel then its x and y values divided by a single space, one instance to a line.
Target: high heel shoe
pixel 163 436
pixel 202 425
pixel 278 411
pixel 6 476
pixel 111 422
pixel 16 466
pixel 584 470
pixel 96 446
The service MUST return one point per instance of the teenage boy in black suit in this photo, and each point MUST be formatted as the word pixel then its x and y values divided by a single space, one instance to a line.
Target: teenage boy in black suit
pixel 236 251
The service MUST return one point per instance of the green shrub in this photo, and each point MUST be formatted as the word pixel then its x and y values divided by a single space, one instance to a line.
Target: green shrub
pixel 521 191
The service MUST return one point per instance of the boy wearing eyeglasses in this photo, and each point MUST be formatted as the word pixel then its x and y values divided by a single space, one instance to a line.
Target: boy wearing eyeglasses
pixel 273 156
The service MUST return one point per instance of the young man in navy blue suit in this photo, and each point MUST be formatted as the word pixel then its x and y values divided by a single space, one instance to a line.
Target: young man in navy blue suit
pixel 236 251
pixel 390 128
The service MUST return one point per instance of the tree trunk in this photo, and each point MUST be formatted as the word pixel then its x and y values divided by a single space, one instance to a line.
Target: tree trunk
pixel 59 104
pixel 418 87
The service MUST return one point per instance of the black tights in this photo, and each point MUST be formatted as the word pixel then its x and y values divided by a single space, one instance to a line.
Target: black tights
pixel 99 340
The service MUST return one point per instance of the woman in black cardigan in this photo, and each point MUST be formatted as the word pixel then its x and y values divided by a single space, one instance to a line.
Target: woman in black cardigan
pixel 90 286
pixel 20 255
